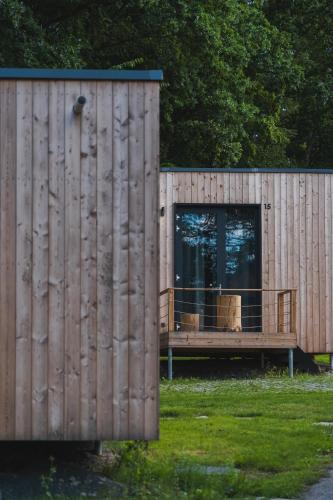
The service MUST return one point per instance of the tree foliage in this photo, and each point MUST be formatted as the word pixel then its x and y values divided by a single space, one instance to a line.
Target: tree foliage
pixel 247 83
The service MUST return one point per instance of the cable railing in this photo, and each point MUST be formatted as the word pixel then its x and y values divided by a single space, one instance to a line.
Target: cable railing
pixel 221 310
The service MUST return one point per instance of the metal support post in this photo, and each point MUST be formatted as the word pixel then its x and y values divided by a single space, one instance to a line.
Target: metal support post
pixel 291 362
pixel 170 363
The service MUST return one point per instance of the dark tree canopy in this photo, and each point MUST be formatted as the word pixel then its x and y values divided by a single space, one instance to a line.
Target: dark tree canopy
pixel 247 83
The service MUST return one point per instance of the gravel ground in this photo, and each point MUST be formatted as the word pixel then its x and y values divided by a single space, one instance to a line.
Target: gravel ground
pixel 75 472
pixel 322 490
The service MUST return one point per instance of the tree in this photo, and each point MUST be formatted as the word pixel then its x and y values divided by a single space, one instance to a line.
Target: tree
pixel 309 24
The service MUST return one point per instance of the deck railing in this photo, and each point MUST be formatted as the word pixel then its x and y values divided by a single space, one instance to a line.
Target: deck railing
pixel 228 310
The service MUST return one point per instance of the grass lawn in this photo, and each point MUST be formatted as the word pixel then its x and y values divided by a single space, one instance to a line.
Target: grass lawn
pixel 323 358
pixel 257 434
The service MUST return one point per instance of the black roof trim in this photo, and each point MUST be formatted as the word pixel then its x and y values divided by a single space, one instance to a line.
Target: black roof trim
pixel 251 170
pixel 80 74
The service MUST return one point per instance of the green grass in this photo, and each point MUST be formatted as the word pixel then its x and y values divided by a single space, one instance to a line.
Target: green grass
pixel 262 429
pixel 322 358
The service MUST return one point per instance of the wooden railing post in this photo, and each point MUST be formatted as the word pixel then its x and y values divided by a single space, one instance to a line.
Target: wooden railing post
pixel 293 311
pixel 171 310
pixel 281 313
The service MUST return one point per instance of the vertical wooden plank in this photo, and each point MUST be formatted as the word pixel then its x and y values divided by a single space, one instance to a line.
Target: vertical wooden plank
pixel 136 259
pixel 272 248
pixel 329 341
pixel 201 187
pixel 245 188
pixel 302 263
pixel 72 263
pixel 188 187
pixel 309 262
pixel 226 187
pixel 120 260
pixel 56 259
pixel 7 258
pixel 239 188
pixel 293 307
pixel 322 265
pixel 40 261
pixel 284 232
pixel 171 310
pixel 23 260
pixel 328 262
pixel 163 229
pixel 170 227
pixel 281 313
pixel 315 263
pixel 179 179
pixel 220 187
pixel 294 244
pixel 151 259
pixel 277 231
pixel 104 260
pixel 194 187
pixel 252 187
pixel 265 254
pixel 88 263
pixel 232 188
pixel 213 187
pixel 258 188
pixel 207 187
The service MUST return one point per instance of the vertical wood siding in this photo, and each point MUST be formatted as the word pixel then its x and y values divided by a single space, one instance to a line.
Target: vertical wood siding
pixel 296 235
pixel 79 241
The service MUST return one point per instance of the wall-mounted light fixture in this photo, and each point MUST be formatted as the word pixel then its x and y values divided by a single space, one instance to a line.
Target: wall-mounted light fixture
pixel 78 106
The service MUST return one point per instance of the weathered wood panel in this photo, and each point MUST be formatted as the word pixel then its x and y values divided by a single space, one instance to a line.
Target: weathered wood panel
pixel 23 260
pixel 104 260
pixel 7 258
pixel 151 216
pixel 56 259
pixel 72 263
pixel 79 239
pixel 296 234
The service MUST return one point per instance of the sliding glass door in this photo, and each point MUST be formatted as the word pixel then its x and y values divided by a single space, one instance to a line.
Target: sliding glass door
pixel 217 246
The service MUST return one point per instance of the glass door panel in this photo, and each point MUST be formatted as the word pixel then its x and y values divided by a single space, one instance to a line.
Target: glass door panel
pixel 217 246
pixel 196 257
pixel 241 263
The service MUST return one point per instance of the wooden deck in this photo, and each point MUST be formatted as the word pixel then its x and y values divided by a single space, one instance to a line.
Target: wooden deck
pixel 205 341
pixel 277 313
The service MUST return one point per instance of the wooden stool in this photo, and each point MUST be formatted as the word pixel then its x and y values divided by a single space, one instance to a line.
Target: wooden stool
pixel 229 313
pixel 189 322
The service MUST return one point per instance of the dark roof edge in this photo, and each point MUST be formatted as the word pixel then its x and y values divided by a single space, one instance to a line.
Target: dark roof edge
pixel 80 74
pixel 251 170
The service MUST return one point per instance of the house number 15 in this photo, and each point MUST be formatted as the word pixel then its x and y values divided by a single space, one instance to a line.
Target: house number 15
pixel 267 206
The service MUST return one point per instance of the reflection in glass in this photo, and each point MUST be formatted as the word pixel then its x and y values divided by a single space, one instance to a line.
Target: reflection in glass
pixel 217 246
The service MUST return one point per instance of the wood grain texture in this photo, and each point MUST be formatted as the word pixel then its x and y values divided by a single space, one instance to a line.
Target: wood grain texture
pixel 7 258
pixel 72 264
pixel 151 216
pixel 24 260
pixel 40 252
pixel 120 259
pixel 136 260
pixel 88 318
pixel 79 249
pixel 56 197
pixel 296 238
pixel 104 260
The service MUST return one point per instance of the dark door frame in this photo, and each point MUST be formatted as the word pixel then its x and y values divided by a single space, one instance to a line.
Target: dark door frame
pixel 220 234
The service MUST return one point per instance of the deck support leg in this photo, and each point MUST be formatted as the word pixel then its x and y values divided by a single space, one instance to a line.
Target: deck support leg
pixel 170 363
pixel 262 360
pixel 291 362
pixel 331 362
